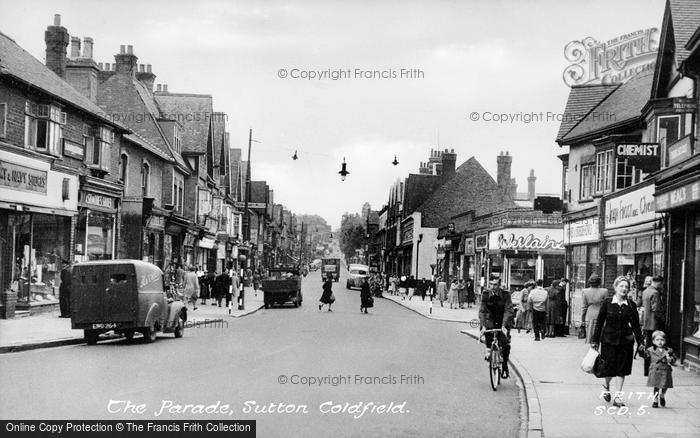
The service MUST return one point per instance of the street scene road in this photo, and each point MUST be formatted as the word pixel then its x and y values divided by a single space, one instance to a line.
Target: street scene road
pixel 445 389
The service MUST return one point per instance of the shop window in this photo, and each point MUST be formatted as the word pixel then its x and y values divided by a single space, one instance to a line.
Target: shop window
pixel 3 120
pixel 604 171
pixel 43 127
pixel 94 235
pixel 587 179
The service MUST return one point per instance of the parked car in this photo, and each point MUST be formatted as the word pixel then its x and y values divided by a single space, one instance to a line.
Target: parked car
pixel 124 296
pixel 356 275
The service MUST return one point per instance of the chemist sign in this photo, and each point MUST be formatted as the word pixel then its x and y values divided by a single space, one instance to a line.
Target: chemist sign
pixel 643 156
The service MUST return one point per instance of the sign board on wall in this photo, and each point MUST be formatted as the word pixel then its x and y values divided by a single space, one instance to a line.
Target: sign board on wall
pixel 680 150
pixel 481 241
pixel 582 230
pixel 73 149
pixel 527 239
pixel 686 194
pixel 631 208
pixel 644 156
pixel 18 177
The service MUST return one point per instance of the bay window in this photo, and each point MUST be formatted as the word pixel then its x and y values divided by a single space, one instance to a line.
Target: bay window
pixel 43 127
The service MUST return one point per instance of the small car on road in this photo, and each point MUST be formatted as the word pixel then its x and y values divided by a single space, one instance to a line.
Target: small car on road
pixel 356 275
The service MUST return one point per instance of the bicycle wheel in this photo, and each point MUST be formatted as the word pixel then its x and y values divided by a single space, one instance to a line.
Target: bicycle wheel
pixel 495 368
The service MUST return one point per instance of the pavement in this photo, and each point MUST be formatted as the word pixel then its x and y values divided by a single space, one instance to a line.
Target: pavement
pixel 563 401
pixel 49 330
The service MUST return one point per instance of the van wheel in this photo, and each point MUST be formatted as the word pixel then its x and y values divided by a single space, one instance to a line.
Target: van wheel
pixel 129 335
pixel 91 336
pixel 150 334
pixel 180 327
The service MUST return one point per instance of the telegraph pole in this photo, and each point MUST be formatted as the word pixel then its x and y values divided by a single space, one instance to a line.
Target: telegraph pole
pixel 247 189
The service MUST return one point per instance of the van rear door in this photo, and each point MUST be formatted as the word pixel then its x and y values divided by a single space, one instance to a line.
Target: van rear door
pixel 104 293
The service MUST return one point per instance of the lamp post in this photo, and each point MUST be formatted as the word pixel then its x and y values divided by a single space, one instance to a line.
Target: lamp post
pixel 420 239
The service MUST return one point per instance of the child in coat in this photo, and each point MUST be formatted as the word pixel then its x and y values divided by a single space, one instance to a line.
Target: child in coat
pixel 662 358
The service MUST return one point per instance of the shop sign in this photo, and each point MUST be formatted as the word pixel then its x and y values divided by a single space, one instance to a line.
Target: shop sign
pixel 581 230
pixel 644 156
pixel 22 178
pixel 482 241
pixel 96 200
pixel 469 245
pixel 680 150
pixel 407 233
pixel 680 196
pixel 73 149
pixel 625 260
pixel 631 208
pixel 527 239
pixel 206 243
pixel 261 205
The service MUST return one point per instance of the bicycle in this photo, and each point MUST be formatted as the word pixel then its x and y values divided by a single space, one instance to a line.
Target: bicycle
pixel 495 361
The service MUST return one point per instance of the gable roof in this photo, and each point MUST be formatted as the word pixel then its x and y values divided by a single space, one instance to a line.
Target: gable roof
pixel 582 99
pixel 194 112
pixel 685 16
pixel 128 99
pixel 471 188
pixel 18 63
pixel 622 106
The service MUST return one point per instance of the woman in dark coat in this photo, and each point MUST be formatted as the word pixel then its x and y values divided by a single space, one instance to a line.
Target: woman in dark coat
pixel 616 331
pixel 553 308
pixel 220 288
pixel 471 299
pixel 327 296
pixel 366 297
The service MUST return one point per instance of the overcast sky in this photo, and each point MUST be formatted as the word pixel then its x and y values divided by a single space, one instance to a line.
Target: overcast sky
pixel 485 56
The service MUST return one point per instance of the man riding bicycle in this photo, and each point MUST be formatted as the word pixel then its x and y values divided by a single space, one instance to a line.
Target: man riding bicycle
pixel 496 311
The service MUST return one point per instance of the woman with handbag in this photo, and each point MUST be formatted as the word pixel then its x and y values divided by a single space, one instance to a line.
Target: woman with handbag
pixel 366 299
pixel 592 299
pixel 327 296
pixel 616 331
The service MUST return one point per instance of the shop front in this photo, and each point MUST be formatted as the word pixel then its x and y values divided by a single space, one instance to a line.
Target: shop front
pixel 678 196
pixel 518 255
pixel 633 234
pixel 96 226
pixel 37 210
pixel 582 242
pixel 154 240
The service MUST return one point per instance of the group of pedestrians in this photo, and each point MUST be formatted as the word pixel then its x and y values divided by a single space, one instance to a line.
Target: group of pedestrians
pixel 366 295
pixel 451 290
pixel 194 284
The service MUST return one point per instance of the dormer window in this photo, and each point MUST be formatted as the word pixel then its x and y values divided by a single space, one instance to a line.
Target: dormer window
pixel 43 127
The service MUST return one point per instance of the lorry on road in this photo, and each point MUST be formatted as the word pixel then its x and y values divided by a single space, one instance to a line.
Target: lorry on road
pixel 283 285
pixel 330 266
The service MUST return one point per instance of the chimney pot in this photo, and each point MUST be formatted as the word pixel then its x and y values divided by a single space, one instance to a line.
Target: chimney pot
pixel 142 68
pixel 165 88
pixel 452 151
pixel 158 88
pixel 114 66
pixel 57 19
pixel 130 50
pixel 148 68
pixel 74 47
pixel 122 49
pixel 99 65
pixel 87 47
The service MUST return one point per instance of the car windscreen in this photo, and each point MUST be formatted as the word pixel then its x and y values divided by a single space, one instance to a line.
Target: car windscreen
pixel 358 272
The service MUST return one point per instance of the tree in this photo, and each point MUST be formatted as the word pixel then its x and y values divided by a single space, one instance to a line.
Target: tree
pixel 352 234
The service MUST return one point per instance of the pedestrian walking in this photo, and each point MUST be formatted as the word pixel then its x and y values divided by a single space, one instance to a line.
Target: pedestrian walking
pixel 327 296
pixel 553 308
pixel 191 288
pixel 393 284
pixel 403 288
pixel 471 297
pixel 442 291
pixel 452 297
pixel 222 282
pixel 525 315
pixel 206 285
pixel 592 298
pixel 461 293
pixel 537 301
pixel 366 300
pixel 411 286
pixel 423 288
pixel 653 314
pixel 234 289
pixel 615 333
pixel 660 371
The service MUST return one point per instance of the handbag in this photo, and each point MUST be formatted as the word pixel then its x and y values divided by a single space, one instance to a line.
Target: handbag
pixel 582 331
pixel 332 298
pixel 589 361
pixel 599 367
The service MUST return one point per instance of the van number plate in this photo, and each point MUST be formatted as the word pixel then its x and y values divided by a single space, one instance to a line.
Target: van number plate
pixel 109 325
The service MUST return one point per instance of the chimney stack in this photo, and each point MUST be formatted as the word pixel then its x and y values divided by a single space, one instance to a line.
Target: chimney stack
pixel 87 47
pixel 146 76
pixel 74 47
pixel 531 185
pixel 126 61
pixel 56 38
pixel 503 178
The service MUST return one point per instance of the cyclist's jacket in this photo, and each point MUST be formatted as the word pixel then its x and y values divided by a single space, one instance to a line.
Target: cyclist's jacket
pixel 496 309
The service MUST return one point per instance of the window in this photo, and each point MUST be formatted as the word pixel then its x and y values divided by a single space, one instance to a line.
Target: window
pixel 178 193
pixel 566 196
pixel 3 120
pixel 145 178
pixel 668 132
pixel 123 168
pixel 177 142
pixel 97 146
pixel 625 175
pixel 43 127
pixel 604 171
pixel 587 177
